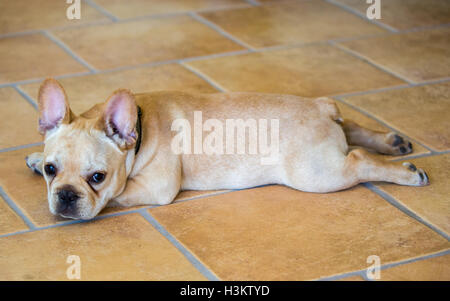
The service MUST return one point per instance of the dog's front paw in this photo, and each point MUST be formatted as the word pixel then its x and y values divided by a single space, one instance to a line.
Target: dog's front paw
pixel 398 145
pixel 34 162
pixel 419 177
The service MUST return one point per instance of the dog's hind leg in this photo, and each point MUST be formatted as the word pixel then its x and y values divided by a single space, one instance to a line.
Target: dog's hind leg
pixel 34 162
pixel 385 143
pixel 344 171
pixel 360 166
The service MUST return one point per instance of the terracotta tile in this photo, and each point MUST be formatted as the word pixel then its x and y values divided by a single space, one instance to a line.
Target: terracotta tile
pixel 418 56
pixel 182 196
pixel 404 14
pixel 136 8
pixel 431 202
pixel 117 248
pixel 33 56
pixel 370 123
pixel 432 269
pixel 277 233
pixel 25 15
pixel 352 278
pixel 306 71
pixel 26 189
pixel 145 41
pixel 85 91
pixel 263 26
pixel 18 120
pixel 419 112
pixel 9 221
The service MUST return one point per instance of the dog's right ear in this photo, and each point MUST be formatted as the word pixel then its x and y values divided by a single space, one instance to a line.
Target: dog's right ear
pixel 54 108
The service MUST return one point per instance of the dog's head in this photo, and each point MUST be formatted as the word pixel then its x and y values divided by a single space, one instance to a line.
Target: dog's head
pixel 87 158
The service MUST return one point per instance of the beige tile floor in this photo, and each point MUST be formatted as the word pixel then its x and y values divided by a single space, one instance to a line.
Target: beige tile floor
pixel 388 74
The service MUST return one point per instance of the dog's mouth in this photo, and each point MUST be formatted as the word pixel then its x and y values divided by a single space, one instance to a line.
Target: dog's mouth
pixel 67 211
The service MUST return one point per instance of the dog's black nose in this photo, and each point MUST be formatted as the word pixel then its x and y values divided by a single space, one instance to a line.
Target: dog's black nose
pixel 67 197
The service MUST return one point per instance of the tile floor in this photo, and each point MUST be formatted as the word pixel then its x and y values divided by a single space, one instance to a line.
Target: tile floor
pixel 392 73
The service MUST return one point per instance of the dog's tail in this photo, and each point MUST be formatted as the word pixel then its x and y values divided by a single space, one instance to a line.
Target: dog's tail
pixel 327 106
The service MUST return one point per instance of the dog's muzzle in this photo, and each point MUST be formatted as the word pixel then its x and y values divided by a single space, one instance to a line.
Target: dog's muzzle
pixel 67 201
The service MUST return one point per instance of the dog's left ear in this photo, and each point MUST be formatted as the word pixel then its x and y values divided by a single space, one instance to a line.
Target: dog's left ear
pixel 119 118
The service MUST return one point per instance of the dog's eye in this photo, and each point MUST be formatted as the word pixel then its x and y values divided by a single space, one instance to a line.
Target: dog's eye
pixel 97 177
pixel 50 169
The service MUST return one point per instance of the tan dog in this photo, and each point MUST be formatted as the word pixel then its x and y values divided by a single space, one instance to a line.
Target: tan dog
pixel 90 160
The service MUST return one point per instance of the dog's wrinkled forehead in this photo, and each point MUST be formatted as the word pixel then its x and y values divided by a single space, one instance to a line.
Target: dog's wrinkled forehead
pixel 79 149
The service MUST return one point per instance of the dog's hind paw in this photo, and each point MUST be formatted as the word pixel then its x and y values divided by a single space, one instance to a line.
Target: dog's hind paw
pixel 420 177
pixel 398 145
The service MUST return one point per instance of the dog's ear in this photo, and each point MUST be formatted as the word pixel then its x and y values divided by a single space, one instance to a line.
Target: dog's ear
pixel 119 118
pixel 54 108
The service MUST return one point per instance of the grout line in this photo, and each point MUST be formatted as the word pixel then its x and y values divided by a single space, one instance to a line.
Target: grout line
pixel 69 51
pixel 418 156
pixel 72 222
pixel 26 96
pixel 189 256
pixel 101 10
pixel 361 15
pixel 152 17
pixel 344 275
pixel 219 30
pixel 411 260
pixel 182 13
pixel 253 2
pixel 371 62
pixel 16 209
pixel 425 28
pixel 390 199
pixel 206 78
pixel 363 272
pixel 40 79
pixel 361 37
pixel 372 91
pixel 78 221
pixel 15 233
pixel 54 28
pixel 203 196
pixel 432 82
pixel 360 110
pixel 8 149
pixel 213 56
pixel 19 33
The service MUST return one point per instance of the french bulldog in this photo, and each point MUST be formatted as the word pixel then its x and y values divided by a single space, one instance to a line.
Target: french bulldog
pixel 121 152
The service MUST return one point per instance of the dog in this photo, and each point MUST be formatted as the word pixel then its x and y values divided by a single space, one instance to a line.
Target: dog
pixel 120 152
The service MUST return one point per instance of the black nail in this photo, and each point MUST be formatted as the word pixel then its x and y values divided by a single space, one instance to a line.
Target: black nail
pixel 398 140
pixel 412 167
pixel 421 176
